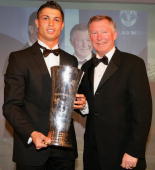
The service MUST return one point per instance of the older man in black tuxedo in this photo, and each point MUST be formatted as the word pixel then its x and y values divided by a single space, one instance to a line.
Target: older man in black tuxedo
pixel 117 90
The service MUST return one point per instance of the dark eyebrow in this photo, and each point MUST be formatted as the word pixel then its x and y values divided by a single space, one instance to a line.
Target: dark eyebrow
pixel 58 17
pixel 49 16
pixel 43 16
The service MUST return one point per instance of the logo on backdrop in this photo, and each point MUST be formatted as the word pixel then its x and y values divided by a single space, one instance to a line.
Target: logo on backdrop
pixel 128 17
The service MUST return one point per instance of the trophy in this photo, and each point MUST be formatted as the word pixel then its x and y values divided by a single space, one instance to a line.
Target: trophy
pixel 65 82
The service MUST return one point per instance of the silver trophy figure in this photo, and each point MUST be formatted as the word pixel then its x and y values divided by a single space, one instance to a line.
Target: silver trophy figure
pixel 65 82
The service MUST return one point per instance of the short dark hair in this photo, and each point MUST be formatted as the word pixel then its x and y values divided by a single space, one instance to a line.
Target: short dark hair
pixel 52 5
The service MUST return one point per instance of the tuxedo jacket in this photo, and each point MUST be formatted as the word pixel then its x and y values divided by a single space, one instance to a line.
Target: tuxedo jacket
pixel 27 104
pixel 119 112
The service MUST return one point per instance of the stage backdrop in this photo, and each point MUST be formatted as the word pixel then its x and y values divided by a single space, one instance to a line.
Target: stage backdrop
pixel 132 27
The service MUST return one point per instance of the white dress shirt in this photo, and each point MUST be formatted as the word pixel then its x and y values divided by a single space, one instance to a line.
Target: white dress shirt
pixel 100 68
pixel 98 73
pixel 50 60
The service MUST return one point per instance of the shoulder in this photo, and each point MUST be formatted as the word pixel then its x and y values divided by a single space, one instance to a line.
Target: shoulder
pixel 18 54
pixel 24 50
pixel 129 58
pixel 27 50
pixel 24 54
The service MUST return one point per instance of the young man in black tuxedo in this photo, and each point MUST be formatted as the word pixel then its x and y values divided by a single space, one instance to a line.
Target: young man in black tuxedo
pixel 120 108
pixel 28 96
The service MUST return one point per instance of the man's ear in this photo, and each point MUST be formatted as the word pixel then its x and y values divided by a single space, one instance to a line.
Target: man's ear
pixel 62 26
pixel 116 35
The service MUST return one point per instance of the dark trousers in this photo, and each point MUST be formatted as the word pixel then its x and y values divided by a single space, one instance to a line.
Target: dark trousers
pixel 51 164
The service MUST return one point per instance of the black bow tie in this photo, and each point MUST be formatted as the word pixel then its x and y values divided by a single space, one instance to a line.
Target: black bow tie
pixel 46 51
pixel 96 61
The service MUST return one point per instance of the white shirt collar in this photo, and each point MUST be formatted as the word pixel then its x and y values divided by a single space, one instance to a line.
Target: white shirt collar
pixel 44 45
pixel 109 54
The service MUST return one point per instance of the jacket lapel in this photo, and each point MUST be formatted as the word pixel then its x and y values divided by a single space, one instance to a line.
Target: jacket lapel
pixel 88 69
pixel 91 78
pixel 62 59
pixel 39 60
pixel 111 69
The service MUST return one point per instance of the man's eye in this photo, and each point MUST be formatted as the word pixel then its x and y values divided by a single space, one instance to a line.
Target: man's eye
pixel 57 19
pixel 45 18
pixel 104 32
pixel 94 33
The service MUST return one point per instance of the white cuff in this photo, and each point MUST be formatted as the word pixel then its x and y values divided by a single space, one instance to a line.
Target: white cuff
pixel 29 140
pixel 85 110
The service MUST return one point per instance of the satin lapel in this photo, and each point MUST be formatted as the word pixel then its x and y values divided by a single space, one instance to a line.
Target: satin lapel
pixel 111 69
pixel 62 59
pixel 91 77
pixel 40 62
pixel 89 73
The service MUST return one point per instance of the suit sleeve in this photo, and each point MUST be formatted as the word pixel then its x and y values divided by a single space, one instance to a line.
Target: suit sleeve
pixel 14 93
pixel 141 110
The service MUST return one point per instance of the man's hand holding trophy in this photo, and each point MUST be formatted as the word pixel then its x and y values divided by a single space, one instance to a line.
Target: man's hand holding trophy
pixel 64 98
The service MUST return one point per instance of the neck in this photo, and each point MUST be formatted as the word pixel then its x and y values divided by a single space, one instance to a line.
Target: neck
pixel 102 53
pixel 50 44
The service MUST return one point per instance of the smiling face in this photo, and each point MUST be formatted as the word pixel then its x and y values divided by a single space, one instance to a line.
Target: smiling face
pixel 81 44
pixel 102 35
pixel 50 25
